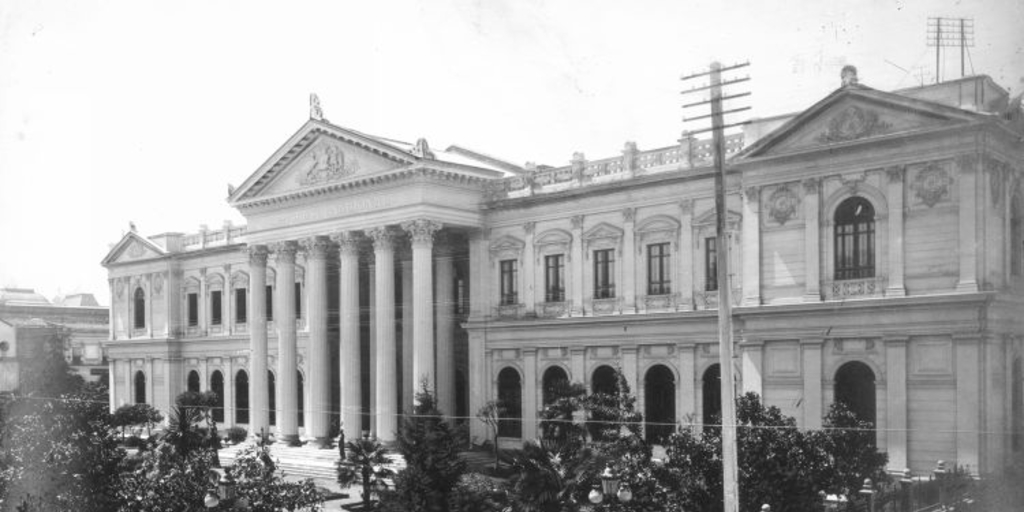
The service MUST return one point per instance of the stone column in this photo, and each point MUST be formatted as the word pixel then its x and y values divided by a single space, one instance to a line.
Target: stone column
pixel 371 306
pixel 753 360
pixel 444 270
pixel 112 322
pixel 204 375
pixel 349 354
pixel 259 399
pixel 968 282
pixel 686 255
pixel 386 410
pixel 895 198
pixel 227 322
pixel 111 375
pixel 968 398
pixel 479 385
pixel 896 401
pixel 812 404
pixel 629 367
pixel 284 319
pixel 407 339
pixel 529 279
pixel 687 387
pixel 150 377
pixel 530 393
pixel 229 392
pixel 578 365
pixel 319 371
pixel 422 233
pixel 812 247
pixel 751 247
pixel 578 260
pixel 629 266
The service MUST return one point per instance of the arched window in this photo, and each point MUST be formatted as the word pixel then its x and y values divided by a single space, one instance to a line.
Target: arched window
pixel 192 384
pixel 855 388
pixel 242 397
pixel 554 381
pixel 603 380
pixel 659 403
pixel 217 386
pixel 271 397
pixel 510 395
pixel 140 387
pixel 139 306
pixel 855 239
pixel 711 389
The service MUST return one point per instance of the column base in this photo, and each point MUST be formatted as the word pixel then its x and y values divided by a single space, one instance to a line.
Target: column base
pixel 895 291
pixel 751 301
pixel 289 439
pixel 324 443
pixel 812 297
pixel 967 287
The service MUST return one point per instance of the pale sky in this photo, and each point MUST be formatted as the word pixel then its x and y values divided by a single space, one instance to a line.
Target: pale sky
pixel 121 111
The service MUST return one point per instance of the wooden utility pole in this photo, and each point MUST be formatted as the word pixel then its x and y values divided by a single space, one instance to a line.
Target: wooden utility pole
pixel 946 32
pixel 730 480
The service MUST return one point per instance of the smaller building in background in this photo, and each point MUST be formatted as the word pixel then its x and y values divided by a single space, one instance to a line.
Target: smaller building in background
pixel 28 320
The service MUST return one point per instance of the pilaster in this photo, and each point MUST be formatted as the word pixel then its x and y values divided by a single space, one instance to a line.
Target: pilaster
pixel 686 255
pixel 751 247
pixel 812 375
pixel 578 254
pixel 687 381
pixel 896 250
pixel 968 399
pixel 752 353
pixel 968 220
pixel 896 402
pixel 229 391
pixel 812 245
pixel 530 399
pixel 284 320
pixel 529 270
pixel 629 265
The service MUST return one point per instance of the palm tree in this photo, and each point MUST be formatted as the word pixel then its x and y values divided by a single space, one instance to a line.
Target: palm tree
pixel 365 464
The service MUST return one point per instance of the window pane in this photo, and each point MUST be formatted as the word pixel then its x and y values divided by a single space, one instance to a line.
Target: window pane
pixel 241 311
pixel 270 303
pixel 215 307
pixel 193 309
pixel 604 272
pixel 509 282
pixel 298 300
pixel 554 280
pixel 710 264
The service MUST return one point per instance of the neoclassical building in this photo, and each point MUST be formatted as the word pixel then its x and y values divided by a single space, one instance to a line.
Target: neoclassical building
pixel 876 241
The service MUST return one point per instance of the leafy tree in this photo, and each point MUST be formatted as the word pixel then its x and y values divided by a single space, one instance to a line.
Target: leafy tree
pixel 557 416
pixel 430 447
pixel 551 475
pixel 849 451
pixel 131 415
pixel 165 480
pixel 264 489
pixel 364 463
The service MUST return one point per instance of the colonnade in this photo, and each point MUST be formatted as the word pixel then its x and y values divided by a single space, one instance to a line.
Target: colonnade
pixel 439 373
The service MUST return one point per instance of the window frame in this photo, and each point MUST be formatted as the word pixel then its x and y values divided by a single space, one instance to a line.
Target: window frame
pixel 852 231
pixel 192 309
pixel 216 307
pixel 604 273
pixel 554 277
pixel 508 282
pixel 711 264
pixel 241 306
pixel 139 308
pixel 659 264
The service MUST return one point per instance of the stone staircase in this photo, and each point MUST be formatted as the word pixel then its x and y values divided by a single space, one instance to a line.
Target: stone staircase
pixel 306 461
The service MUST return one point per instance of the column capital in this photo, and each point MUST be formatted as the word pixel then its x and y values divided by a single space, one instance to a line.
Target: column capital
pixel 629 214
pixel 529 227
pixel 315 246
pixel 383 237
pixel 422 230
pixel 811 185
pixel 284 252
pixel 895 173
pixel 686 206
pixel 257 255
pixel 577 221
pixel 896 340
pixel 348 242
pixel 752 194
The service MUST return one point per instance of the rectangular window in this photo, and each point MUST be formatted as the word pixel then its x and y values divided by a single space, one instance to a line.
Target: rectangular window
pixel 710 264
pixel 604 274
pixel 554 278
pixel 270 303
pixel 193 309
pixel 215 308
pixel 659 281
pixel 509 282
pixel 241 306
pixel 298 300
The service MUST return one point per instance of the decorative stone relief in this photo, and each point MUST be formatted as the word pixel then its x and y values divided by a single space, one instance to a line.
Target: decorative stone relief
pixel 258 255
pixel 506 247
pixel 577 221
pixel 119 287
pixel 628 214
pixel 853 123
pixel 998 173
pixel 782 204
pixel 932 184
pixel 529 227
pixel 686 206
pixel 895 173
pixel 327 163
pixel 158 284
pixel 420 230
pixel 135 250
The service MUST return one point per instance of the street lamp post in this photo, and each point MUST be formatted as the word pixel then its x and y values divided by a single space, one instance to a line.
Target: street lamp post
pixel 226 493
pixel 611 486
pixel 868 491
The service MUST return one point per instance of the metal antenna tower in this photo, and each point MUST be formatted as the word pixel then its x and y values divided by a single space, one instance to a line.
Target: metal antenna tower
pixel 950 32
pixel 730 478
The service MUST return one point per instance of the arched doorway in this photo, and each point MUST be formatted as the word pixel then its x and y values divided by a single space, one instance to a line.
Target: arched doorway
pixel 299 383
pixel 603 380
pixel 510 395
pixel 855 388
pixel 271 398
pixel 140 387
pixel 554 381
pixel 659 403
pixel 711 389
pixel 193 382
pixel 217 386
pixel 242 397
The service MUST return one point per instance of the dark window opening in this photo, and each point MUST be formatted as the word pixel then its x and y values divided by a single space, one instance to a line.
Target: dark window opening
pixel 298 300
pixel 711 390
pixel 140 387
pixel 193 382
pixel 509 282
pixel 217 386
pixel 242 397
pixel 139 304
pixel 710 264
pixel 604 274
pixel 216 316
pixel 241 306
pixel 659 403
pixel 554 278
pixel 855 239
pixel 193 309
pixel 510 395
pixel 855 388
pixel 270 303
pixel 659 280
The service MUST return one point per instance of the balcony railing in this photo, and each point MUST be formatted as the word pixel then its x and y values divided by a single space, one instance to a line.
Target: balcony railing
pixel 855 288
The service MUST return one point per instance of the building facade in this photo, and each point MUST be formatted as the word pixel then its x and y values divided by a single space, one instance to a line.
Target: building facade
pixel 28 321
pixel 876 259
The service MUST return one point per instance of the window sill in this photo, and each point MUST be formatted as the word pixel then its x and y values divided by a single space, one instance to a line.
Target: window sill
pixel 660 302
pixel 609 306
pixel 855 288
pixel 554 309
pixel 509 311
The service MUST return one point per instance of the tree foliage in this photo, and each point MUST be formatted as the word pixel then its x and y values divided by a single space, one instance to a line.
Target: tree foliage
pixel 365 463
pixel 430 446
pixel 263 487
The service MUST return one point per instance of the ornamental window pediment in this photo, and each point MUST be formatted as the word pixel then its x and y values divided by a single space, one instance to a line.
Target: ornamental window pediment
pixel 239 280
pixel 660 228
pixel 705 223
pixel 603 236
pixel 192 284
pixel 214 281
pixel 553 241
pixel 507 247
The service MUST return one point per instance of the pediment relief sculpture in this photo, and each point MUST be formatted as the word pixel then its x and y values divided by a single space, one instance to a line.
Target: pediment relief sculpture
pixel 783 205
pixel 326 163
pixel 507 247
pixel 853 123
pixel 932 184
pixel 602 230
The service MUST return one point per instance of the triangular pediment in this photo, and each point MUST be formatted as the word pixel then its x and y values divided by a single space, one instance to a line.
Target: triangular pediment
pixel 603 230
pixel 732 218
pixel 321 154
pixel 855 114
pixel 133 247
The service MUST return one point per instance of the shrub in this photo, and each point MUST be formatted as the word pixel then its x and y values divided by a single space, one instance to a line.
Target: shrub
pixel 133 442
pixel 237 434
